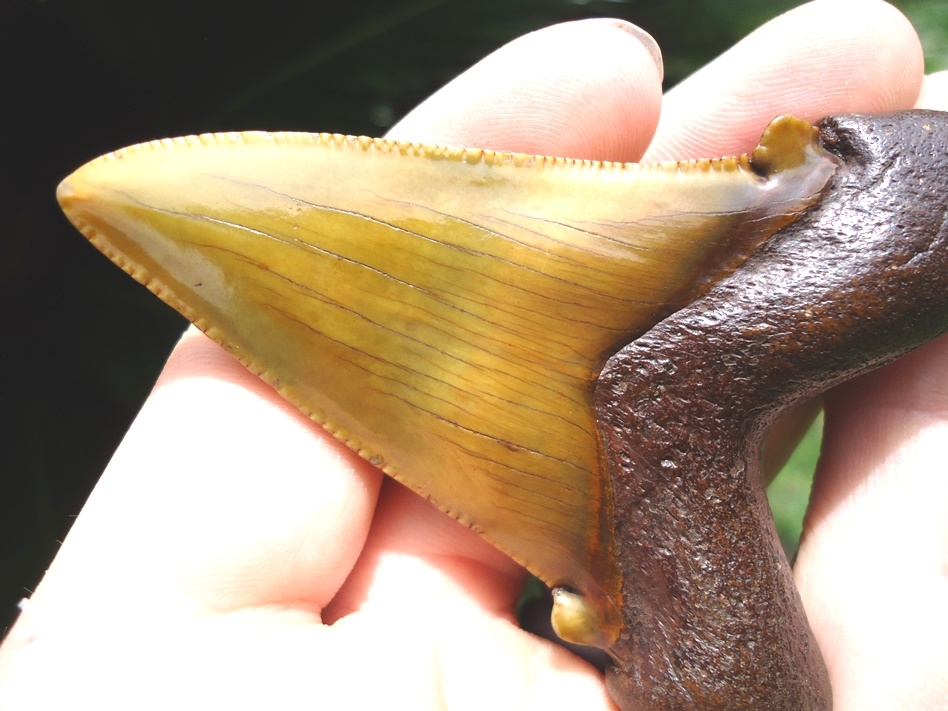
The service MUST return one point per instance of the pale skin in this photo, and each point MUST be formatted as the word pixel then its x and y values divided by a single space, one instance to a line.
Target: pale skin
pixel 234 555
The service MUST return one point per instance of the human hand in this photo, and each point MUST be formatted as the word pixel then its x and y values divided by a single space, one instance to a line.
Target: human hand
pixel 235 555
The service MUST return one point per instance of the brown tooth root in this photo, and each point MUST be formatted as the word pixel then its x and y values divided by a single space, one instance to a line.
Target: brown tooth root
pixel 712 619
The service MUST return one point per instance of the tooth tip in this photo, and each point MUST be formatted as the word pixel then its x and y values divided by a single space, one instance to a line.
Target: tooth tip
pixel 65 190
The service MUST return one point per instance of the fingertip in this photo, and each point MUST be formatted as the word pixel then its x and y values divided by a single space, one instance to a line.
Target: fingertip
pixel 934 93
pixel 871 423
pixel 821 58
pixel 648 42
pixel 871 563
pixel 220 496
pixel 417 555
pixel 588 89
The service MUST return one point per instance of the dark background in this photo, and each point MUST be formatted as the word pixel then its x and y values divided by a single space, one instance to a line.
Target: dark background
pixel 81 342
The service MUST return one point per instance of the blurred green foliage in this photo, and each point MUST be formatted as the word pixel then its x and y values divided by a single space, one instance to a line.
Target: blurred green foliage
pixel 790 491
pixel 930 18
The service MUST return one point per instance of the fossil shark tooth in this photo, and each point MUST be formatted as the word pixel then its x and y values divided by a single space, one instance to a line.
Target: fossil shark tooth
pixel 445 311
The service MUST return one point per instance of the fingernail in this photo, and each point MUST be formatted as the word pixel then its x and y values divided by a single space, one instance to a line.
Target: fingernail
pixel 642 36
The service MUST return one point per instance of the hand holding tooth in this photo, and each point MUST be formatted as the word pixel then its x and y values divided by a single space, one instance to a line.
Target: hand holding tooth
pixel 451 315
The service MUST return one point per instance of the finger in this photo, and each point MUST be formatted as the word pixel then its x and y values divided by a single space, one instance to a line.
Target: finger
pixel 211 505
pixel 410 534
pixel 442 647
pixel 819 59
pixel 221 496
pixel 934 93
pixel 538 94
pixel 588 89
pixel 871 563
